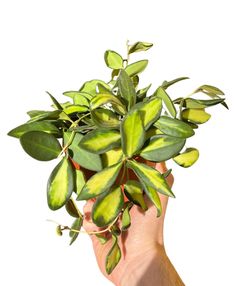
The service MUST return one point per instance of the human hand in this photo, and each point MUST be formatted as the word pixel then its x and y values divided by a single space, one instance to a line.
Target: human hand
pixel 140 245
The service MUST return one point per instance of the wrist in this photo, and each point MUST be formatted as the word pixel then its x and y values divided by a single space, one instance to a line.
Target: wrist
pixel 152 269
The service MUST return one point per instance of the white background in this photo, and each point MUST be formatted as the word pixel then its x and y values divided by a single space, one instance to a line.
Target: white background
pixel 56 46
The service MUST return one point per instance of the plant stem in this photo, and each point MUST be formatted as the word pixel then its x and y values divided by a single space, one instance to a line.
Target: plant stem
pixel 65 227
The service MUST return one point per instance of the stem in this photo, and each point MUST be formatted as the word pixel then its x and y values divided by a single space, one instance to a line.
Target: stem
pixel 127 46
pixel 65 227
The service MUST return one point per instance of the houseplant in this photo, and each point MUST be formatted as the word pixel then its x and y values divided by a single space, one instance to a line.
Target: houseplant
pixel 106 135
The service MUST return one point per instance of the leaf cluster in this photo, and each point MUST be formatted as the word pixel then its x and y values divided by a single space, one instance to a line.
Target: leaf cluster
pixel 107 130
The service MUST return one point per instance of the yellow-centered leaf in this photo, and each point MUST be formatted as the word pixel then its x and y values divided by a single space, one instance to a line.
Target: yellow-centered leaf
pixel 134 192
pixel 132 133
pixel 150 177
pixel 60 184
pixel 197 116
pixel 100 140
pixel 107 207
pixel 100 182
pixel 187 158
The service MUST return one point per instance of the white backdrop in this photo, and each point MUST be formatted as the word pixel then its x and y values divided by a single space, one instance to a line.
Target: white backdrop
pixel 56 46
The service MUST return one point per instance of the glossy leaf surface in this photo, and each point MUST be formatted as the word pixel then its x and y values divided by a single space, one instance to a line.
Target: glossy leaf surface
pixel 161 93
pixel 102 99
pixel 136 68
pixel 126 219
pixel 139 47
pixel 162 148
pixel 134 192
pixel 126 88
pixel 150 111
pixel 187 158
pixel 132 133
pixel 113 256
pixel 77 224
pixel 60 184
pixel 150 177
pixel 113 60
pixel 112 157
pixel 107 207
pixel 45 126
pixel 154 197
pixel 84 158
pixel 100 182
pixel 40 145
pixel 166 84
pixel 99 141
pixel 174 127
pixel 104 118
pixel 197 116
pixel 72 209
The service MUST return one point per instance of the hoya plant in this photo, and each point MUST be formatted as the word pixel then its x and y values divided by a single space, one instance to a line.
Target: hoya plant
pixel 105 134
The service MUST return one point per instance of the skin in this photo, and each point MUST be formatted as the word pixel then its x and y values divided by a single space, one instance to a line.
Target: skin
pixel 144 261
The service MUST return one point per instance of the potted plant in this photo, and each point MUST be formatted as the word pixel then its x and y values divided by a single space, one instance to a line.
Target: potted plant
pixel 108 137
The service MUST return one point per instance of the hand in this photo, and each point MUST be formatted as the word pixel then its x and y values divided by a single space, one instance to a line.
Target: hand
pixel 142 246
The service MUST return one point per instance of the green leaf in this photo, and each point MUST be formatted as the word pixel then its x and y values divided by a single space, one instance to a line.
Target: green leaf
pixel 139 47
pixel 161 93
pixel 197 116
pixel 174 127
pixel 187 158
pixel 132 133
pixel 210 89
pixel 113 60
pixel 72 209
pixel 107 207
pixel 100 182
pixel 80 181
pixel 150 177
pixel 101 238
pixel 60 184
pixel 80 99
pixel 113 256
pixel 167 173
pixel 43 115
pixel 84 158
pixel 134 192
pixel 152 132
pixel 91 86
pixel 77 95
pixel 104 118
pixel 40 145
pixel 102 99
pixel 142 93
pixel 112 157
pixel 135 81
pixel 126 219
pixel 45 126
pixel 200 104
pixel 126 88
pixel 77 224
pixel 99 141
pixel 75 109
pixel 150 111
pixel 166 84
pixel 136 68
pixel 56 103
pixel 154 197
pixel 102 89
pixel 162 148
